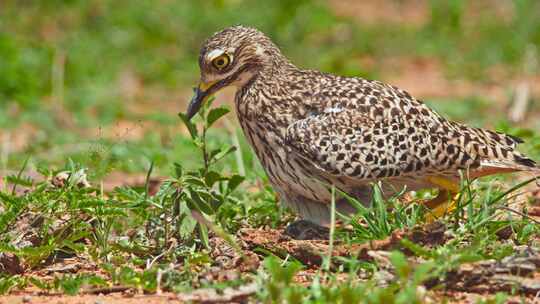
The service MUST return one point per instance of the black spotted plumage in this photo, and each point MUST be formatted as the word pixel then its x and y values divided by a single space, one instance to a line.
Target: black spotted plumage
pixel 310 129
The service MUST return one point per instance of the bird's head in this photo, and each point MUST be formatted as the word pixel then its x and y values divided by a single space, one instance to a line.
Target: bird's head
pixel 231 57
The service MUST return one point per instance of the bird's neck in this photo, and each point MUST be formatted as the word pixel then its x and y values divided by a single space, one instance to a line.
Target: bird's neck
pixel 270 97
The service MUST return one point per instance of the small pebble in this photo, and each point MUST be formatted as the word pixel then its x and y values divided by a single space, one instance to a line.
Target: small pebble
pixel 27 299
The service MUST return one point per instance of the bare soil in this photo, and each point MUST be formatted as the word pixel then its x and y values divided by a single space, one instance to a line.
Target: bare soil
pixel 518 272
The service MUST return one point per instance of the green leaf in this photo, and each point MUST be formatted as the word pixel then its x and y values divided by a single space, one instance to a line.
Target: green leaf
pixel 212 177
pixel 217 200
pixel 222 153
pixel 8 248
pixel 194 181
pixel 281 274
pixel 209 102
pixel 9 283
pixel 189 125
pixel 416 249
pixel 187 225
pixel 20 180
pixel 198 203
pixel 234 182
pixel 205 194
pixel 70 285
pixel 8 199
pixel 215 114
pixel 203 231
pixel 41 284
pixel 178 170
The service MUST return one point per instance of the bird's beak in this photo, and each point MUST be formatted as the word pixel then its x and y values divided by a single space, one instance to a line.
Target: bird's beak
pixel 202 92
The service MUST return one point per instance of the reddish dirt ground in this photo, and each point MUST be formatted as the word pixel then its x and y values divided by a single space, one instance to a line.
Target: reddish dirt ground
pixel 90 299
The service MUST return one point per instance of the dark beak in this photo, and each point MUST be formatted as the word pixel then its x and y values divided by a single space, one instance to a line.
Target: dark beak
pixel 196 102
pixel 202 92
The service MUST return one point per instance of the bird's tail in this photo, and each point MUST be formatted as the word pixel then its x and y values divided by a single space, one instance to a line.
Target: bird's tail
pixel 497 152
pixel 514 162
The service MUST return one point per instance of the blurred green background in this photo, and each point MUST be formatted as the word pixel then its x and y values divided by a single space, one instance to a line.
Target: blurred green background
pixel 101 81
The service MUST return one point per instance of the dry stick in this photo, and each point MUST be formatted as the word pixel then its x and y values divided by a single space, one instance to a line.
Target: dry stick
pixel 515 196
pixel 106 290
pixel 96 291
pixel 520 213
pixel 173 245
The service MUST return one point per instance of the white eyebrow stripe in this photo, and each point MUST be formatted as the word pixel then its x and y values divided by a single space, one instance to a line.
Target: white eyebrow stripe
pixel 259 50
pixel 214 53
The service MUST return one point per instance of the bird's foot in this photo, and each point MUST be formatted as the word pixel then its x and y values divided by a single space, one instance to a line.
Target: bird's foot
pixel 445 201
pixel 443 204
pixel 306 230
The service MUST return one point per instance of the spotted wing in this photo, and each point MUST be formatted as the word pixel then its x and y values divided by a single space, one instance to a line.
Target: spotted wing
pixel 349 143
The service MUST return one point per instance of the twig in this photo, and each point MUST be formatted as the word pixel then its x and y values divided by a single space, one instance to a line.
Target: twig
pixel 147 181
pixel 19 174
pixel 520 213
pixel 105 290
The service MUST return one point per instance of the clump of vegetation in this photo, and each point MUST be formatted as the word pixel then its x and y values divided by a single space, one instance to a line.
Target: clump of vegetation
pixel 167 240
pixel 87 89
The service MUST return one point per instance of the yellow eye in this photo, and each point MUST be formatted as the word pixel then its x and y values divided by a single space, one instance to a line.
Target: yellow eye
pixel 221 61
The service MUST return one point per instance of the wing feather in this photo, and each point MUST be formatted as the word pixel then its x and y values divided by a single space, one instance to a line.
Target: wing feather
pixel 369 130
pixel 351 144
pixel 347 143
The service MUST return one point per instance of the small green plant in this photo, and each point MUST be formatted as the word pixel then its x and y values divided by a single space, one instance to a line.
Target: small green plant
pixel 8 283
pixel 278 287
pixel 382 217
pixel 205 190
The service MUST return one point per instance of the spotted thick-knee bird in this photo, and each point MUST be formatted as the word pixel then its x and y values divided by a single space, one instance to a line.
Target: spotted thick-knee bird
pixel 311 129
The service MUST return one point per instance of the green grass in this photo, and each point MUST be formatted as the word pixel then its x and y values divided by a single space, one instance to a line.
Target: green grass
pixel 121 231
pixel 72 70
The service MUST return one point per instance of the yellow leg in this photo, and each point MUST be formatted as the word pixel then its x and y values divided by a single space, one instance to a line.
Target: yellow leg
pixel 445 201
